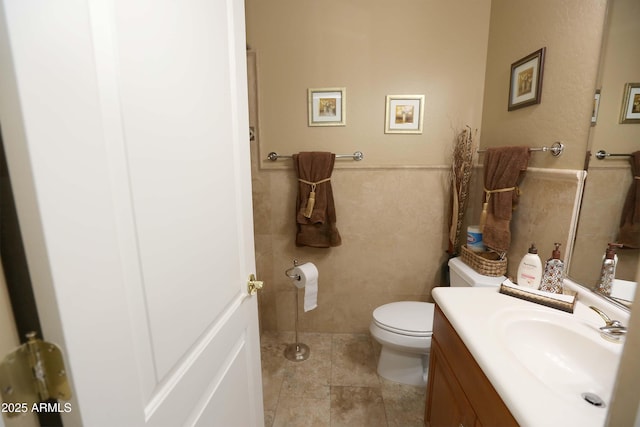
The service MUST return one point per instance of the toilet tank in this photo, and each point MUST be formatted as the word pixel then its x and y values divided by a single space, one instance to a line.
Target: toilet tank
pixel 462 275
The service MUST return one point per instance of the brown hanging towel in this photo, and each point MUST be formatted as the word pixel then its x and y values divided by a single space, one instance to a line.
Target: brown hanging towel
pixel 629 235
pixel 315 209
pixel 503 170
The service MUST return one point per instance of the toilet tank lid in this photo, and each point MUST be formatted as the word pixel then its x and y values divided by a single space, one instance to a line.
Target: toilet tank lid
pixel 412 316
pixel 472 276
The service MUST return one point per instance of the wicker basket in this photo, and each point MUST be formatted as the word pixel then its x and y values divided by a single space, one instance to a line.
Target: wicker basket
pixel 486 263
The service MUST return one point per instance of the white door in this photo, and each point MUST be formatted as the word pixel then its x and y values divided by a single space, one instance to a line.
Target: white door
pixel 126 132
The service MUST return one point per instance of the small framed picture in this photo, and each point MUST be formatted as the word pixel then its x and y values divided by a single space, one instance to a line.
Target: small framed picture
pixel 525 87
pixel 596 105
pixel 404 114
pixel 630 112
pixel 327 106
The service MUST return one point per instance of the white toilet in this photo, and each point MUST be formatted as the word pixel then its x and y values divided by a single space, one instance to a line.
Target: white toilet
pixel 404 329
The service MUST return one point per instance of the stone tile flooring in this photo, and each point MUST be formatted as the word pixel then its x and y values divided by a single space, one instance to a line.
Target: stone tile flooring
pixel 336 386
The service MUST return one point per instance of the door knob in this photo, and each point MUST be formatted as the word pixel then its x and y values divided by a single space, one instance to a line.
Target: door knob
pixel 253 285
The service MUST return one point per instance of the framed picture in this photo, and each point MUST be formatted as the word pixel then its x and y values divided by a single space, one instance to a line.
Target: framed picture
pixel 327 106
pixel 404 114
pixel 630 112
pixel 525 87
pixel 596 105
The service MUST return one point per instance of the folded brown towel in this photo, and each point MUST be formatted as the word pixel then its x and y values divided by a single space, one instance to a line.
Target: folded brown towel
pixel 315 209
pixel 503 169
pixel 630 222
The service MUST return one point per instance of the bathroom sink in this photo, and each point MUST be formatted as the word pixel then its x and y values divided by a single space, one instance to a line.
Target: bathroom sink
pixel 565 354
pixel 549 367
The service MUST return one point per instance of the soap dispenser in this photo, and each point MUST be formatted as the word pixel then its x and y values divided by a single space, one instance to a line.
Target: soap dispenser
pixel 530 269
pixel 553 272
pixel 608 270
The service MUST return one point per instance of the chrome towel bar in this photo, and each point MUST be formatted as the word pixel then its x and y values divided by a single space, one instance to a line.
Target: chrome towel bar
pixel 357 156
pixel 556 149
pixel 601 155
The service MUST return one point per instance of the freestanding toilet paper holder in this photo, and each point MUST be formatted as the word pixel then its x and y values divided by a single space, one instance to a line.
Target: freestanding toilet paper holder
pixel 297 351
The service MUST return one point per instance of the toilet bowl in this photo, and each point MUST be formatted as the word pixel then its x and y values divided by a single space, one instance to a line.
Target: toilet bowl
pixel 404 329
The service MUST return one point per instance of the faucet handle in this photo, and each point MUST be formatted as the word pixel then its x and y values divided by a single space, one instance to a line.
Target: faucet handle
pixel 606 318
pixel 613 330
pixel 616 328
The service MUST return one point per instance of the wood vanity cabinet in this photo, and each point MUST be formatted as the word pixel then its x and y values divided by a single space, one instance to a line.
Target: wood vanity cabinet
pixel 458 392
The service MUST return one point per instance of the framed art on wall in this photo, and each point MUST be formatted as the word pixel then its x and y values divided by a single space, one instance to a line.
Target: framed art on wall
pixel 525 87
pixel 404 114
pixel 630 112
pixel 327 106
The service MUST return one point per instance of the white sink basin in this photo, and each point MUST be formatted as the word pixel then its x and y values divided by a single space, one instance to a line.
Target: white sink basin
pixel 565 354
pixel 540 360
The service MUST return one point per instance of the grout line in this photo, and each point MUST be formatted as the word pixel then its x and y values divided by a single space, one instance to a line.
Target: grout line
pixel 331 380
pixel 280 340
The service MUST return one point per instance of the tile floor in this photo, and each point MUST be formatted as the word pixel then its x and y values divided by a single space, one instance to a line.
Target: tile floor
pixel 336 386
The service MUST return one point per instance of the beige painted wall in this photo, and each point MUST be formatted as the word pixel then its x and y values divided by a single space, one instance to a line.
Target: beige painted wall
pixel 620 65
pixel 571 30
pixel 373 49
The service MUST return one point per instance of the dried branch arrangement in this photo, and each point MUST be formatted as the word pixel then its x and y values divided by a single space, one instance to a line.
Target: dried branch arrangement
pixel 461 169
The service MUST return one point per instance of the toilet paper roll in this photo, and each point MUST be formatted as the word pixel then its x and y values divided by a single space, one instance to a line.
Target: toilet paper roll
pixel 309 281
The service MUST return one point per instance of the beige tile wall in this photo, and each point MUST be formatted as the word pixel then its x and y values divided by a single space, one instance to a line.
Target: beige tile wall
pixel 394 231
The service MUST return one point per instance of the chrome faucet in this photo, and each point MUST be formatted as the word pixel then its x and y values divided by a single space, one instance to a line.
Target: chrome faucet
pixel 613 330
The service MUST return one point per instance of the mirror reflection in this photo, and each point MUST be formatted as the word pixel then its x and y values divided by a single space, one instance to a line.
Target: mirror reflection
pixel 610 178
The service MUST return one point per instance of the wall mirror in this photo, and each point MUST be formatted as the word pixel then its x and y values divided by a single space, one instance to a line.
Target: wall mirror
pixel 609 179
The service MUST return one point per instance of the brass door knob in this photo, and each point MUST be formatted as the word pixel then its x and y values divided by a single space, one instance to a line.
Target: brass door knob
pixel 253 285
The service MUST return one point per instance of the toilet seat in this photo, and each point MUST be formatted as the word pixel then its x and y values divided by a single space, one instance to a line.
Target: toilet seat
pixel 410 318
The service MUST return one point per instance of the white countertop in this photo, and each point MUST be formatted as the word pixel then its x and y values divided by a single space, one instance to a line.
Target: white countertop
pixel 475 313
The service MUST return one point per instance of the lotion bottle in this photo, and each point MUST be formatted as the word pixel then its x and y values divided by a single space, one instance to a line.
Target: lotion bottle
pixel 530 269
pixel 608 270
pixel 553 273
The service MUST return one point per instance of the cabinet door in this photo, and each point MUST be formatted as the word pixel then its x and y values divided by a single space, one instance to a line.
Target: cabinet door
pixel 447 406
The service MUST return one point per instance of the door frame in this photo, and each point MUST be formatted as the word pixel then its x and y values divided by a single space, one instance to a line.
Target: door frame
pixel 15 274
